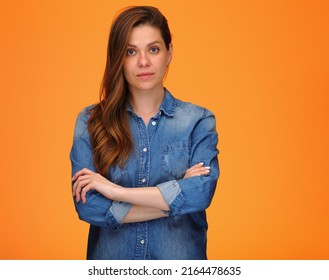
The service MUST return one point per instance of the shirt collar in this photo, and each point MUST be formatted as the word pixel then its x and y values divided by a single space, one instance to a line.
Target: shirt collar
pixel 167 106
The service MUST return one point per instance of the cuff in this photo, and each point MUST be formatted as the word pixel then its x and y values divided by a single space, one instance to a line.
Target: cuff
pixel 173 196
pixel 116 214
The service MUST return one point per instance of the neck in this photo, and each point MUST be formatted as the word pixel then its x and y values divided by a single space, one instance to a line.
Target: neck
pixel 146 102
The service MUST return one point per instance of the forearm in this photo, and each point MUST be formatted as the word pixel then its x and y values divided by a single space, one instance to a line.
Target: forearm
pixel 86 180
pixel 149 197
pixel 143 204
pixel 141 214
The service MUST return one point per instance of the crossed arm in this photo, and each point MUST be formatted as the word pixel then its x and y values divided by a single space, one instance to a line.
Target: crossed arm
pixel 147 203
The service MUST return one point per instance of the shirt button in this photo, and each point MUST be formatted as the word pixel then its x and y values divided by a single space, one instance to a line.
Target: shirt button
pixel 154 123
pixel 145 150
pixel 143 180
pixel 142 241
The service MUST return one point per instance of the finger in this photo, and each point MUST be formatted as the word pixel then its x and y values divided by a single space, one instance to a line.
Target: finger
pixel 81 172
pixel 84 191
pixel 200 171
pixel 193 169
pixel 78 181
pixel 207 169
pixel 206 172
pixel 197 170
pixel 83 194
pixel 198 165
pixel 80 185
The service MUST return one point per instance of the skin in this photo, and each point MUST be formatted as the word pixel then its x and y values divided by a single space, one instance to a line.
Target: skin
pixel 145 66
pixel 147 202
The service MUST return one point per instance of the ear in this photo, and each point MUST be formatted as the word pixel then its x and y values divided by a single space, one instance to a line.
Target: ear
pixel 170 54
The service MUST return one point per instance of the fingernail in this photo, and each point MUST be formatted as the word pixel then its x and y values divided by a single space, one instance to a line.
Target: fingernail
pixel 201 163
pixel 207 167
pixel 207 171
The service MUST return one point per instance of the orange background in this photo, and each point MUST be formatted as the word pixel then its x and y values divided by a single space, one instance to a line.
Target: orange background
pixel 261 66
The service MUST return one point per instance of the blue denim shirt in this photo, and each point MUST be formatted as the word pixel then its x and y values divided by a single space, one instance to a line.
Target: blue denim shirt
pixel 178 137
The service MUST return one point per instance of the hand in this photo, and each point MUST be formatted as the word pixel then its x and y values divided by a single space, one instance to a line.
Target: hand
pixel 86 180
pixel 197 170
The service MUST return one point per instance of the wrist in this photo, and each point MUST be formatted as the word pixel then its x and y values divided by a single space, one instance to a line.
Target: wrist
pixel 117 192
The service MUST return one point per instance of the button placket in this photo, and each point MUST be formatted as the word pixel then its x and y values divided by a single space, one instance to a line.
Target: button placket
pixel 142 237
pixel 143 180
pixel 144 154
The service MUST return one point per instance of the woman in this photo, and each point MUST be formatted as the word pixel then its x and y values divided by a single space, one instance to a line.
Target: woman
pixel 144 163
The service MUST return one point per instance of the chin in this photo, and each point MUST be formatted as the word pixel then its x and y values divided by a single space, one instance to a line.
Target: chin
pixel 146 87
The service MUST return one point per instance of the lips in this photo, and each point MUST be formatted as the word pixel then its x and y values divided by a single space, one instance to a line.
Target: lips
pixel 145 75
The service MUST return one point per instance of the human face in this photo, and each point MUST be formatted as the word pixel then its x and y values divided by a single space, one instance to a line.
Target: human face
pixel 147 59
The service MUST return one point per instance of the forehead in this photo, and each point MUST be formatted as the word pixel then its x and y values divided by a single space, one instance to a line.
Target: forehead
pixel 142 35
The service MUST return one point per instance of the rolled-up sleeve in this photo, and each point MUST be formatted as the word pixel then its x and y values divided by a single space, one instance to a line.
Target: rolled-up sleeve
pixel 195 194
pixel 98 210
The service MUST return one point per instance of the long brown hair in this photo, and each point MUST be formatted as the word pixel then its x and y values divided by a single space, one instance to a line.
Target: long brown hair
pixel 108 124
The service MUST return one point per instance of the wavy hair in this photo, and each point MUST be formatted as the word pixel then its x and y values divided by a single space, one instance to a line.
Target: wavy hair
pixel 108 125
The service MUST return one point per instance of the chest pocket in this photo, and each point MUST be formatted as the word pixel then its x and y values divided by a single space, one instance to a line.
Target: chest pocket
pixel 175 159
pixel 118 176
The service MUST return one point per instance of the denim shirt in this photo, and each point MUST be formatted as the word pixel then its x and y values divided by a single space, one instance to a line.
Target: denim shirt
pixel 178 137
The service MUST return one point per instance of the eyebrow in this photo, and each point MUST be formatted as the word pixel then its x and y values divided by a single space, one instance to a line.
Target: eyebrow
pixel 150 44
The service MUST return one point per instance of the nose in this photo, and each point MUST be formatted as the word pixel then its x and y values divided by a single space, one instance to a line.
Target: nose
pixel 143 60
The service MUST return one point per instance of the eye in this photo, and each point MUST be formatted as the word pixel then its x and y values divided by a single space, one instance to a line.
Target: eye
pixel 154 50
pixel 131 52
